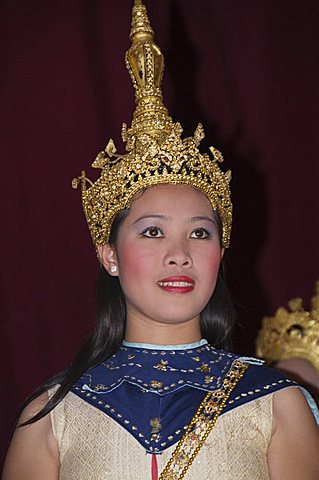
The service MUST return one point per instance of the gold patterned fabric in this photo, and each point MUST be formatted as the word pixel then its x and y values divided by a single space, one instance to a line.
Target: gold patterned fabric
pixel 94 447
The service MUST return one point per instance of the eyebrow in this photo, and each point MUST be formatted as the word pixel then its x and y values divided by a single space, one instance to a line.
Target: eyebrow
pixel 168 219
pixel 161 217
pixel 200 219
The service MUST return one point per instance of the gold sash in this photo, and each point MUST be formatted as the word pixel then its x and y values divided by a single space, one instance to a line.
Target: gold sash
pixel 201 425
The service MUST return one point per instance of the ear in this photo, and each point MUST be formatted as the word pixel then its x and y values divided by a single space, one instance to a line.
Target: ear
pixel 108 259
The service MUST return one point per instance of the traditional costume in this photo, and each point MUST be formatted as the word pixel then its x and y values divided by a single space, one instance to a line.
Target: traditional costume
pixel 153 411
pixel 182 410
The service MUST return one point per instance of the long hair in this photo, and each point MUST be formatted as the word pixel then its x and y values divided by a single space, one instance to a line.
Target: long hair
pixel 216 323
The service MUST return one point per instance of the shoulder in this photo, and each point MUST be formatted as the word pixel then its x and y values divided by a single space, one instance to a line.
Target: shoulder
pixel 34 407
pixel 291 407
pixel 33 452
pixel 294 445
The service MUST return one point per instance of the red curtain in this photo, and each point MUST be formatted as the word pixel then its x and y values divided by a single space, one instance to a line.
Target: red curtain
pixel 247 70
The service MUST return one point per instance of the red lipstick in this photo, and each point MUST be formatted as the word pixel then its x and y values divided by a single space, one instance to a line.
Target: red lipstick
pixel 177 284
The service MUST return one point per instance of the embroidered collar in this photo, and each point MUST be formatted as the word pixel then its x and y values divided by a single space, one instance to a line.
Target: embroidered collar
pixel 161 369
pixel 154 391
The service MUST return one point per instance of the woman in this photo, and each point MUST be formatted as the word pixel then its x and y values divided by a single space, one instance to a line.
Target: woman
pixel 151 395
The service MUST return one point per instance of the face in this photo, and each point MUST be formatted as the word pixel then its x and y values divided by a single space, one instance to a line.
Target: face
pixel 168 255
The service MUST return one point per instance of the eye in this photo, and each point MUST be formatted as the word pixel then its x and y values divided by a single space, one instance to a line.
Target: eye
pixel 200 233
pixel 152 232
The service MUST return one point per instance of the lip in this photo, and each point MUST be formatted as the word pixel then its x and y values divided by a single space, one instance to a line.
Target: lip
pixel 177 284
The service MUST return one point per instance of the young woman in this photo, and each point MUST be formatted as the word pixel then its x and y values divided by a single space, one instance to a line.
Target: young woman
pixel 152 394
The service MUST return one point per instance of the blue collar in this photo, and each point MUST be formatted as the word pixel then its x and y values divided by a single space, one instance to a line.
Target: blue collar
pixel 144 385
pixel 161 370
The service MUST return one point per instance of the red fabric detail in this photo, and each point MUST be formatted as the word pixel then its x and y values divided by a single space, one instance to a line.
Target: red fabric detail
pixel 154 467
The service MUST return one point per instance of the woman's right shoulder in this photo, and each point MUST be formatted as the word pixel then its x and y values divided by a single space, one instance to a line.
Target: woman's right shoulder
pixel 33 452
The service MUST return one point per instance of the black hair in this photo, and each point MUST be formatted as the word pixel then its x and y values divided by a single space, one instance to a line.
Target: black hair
pixel 216 323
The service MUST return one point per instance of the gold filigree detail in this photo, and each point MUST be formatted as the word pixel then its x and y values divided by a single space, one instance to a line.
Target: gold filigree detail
pixel 201 425
pixel 291 333
pixel 156 153
pixel 211 407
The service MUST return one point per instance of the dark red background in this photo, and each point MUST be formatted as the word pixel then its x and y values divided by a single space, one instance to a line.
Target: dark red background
pixel 248 70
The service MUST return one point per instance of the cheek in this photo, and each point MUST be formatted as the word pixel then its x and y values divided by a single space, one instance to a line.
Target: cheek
pixel 134 261
pixel 210 264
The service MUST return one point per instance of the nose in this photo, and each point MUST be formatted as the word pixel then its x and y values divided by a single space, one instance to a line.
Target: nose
pixel 178 254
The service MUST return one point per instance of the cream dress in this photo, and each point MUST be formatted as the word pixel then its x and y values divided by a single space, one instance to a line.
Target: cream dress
pixel 93 446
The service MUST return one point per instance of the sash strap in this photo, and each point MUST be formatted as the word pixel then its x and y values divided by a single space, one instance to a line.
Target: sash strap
pixel 201 425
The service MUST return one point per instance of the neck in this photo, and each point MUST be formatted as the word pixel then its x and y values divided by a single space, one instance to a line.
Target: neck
pixel 139 330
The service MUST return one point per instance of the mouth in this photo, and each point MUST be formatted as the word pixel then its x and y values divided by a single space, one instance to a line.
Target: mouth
pixel 177 284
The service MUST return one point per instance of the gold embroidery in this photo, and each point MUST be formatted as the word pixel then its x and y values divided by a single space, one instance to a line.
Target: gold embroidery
pixel 155 424
pixel 156 384
pixel 208 379
pixel 204 368
pixel 162 365
pixel 201 425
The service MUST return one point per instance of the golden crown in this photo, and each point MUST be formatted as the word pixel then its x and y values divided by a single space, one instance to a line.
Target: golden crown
pixel 156 153
pixel 292 333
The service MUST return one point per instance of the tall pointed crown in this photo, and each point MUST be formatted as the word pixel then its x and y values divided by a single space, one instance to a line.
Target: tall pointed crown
pixel 156 153
pixel 291 333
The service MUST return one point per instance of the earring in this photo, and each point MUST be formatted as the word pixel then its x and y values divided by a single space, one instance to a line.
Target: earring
pixel 113 268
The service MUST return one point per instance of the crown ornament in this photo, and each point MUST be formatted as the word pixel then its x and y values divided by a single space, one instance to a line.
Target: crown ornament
pixel 291 333
pixel 155 151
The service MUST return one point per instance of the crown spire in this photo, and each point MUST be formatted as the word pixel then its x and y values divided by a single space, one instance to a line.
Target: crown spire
pixel 145 63
pixel 140 22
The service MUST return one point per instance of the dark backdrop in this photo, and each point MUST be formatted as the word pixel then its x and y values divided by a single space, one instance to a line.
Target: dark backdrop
pixel 247 69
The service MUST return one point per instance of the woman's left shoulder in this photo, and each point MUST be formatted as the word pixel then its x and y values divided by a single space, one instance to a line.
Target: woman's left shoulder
pixel 291 403
pixel 294 445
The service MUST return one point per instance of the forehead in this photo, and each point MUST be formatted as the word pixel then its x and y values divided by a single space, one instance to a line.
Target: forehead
pixel 178 199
